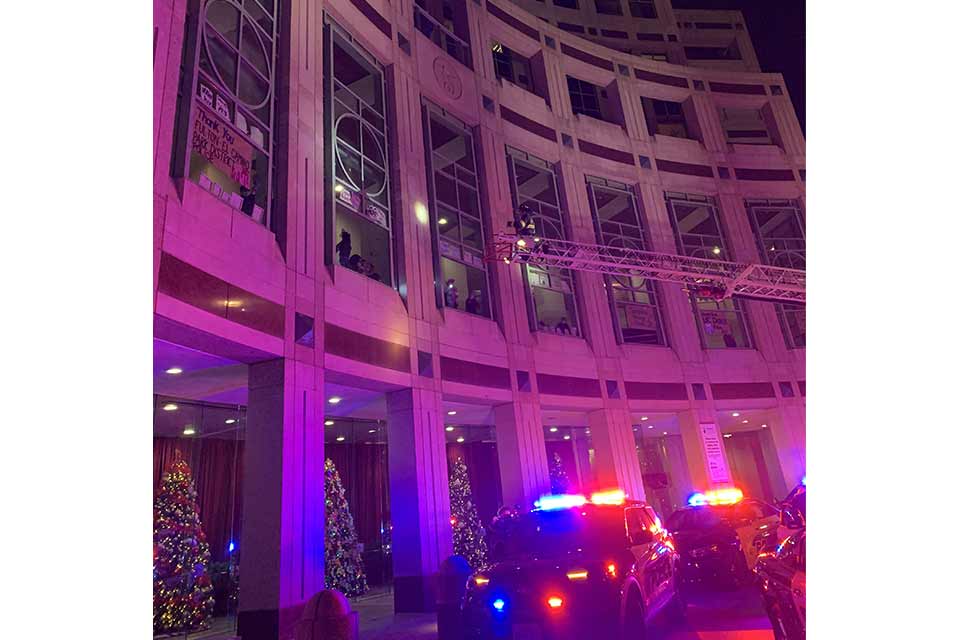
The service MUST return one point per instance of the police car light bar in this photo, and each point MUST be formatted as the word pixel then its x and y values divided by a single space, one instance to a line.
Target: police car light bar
pixel 804 481
pixel 560 501
pixel 715 497
pixel 614 496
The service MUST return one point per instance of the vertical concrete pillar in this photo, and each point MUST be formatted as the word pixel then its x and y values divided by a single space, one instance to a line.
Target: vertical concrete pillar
pixel 615 454
pixel 690 422
pixel 788 428
pixel 281 548
pixel 522 453
pixel 419 496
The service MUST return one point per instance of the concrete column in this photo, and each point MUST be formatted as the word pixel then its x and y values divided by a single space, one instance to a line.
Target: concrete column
pixel 615 452
pixel 693 448
pixel 419 496
pixel 524 475
pixel 282 544
pixel 788 427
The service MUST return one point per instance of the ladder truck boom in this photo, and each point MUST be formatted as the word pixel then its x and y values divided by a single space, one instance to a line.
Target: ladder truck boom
pixel 702 276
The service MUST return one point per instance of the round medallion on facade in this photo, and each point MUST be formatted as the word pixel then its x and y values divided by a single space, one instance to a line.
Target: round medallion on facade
pixel 448 78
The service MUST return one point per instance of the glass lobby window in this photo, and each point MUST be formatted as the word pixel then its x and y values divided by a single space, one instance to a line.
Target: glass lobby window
pixel 513 67
pixel 696 227
pixel 444 22
pixel 744 126
pixel 779 229
pixel 609 7
pixel 455 202
pixel 534 184
pixel 233 104
pixel 570 458
pixel 362 221
pixel 617 220
pixel 584 97
pixel 643 9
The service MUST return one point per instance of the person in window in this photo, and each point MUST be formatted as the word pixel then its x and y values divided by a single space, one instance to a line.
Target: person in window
pixel 367 269
pixel 250 195
pixel 523 220
pixel 450 294
pixel 344 247
pixel 472 305
pixel 542 326
pixel 354 263
pixel 563 328
pixel 729 340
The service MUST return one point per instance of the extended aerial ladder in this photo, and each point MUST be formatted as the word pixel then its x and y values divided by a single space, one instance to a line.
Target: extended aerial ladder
pixel 704 277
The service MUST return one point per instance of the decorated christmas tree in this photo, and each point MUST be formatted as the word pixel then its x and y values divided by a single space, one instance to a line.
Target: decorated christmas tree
pixel 467 533
pixel 559 483
pixel 344 566
pixel 182 590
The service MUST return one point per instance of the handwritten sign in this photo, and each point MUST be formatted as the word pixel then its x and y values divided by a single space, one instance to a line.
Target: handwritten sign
pixel 713 448
pixel 225 150
pixel 714 322
pixel 641 317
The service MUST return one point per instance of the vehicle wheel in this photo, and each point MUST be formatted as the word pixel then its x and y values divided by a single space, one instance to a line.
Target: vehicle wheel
pixel 633 627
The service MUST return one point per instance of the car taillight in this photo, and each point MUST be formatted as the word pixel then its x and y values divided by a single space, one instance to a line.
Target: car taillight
pixel 611 570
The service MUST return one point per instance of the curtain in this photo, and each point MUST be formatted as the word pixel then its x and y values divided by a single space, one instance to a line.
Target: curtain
pixel 483 469
pixel 217 467
pixel 363 472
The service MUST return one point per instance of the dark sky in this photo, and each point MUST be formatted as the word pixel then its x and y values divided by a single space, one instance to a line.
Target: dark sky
pixel 778 31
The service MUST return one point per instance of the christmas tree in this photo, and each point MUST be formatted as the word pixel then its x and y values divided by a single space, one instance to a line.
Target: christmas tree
pixel 467 533
pixel 344 566
pixel 558 476
pixel 182 590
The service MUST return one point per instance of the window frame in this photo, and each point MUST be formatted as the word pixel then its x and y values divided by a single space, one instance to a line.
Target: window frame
pixel 579 93
pixel 516 156
pixel 641 6
pixel 639 241
pixel 507 57
pixel 608 4
pixel 672 198
pixel 431 111
pixel 446 38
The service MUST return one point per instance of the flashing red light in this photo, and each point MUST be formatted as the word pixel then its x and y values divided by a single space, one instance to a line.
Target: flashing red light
pixel 555 602
pixel 611 569
pixel 453 521
pixel 730 495
pixel 613 496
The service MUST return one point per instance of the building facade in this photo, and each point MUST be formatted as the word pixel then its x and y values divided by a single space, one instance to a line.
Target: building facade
pixel 327 179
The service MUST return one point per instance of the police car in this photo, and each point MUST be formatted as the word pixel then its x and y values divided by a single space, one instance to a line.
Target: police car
pixel 783 583
pixel 793 512
pixel 720 535
pixel 575 567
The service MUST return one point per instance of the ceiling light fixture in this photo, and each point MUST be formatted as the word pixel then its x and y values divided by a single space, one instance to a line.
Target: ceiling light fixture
pixel 566 437
pixel 736 414
pixel 174 371
pixel 644 418
pixel 341 438
pixel 728 435
pixel 170 407
pixel 763 426
pixel 553 429
pixel 649 426
pixel 328 423
pixel 460 439
pixel 449 428
pixel 189 430
pixel 442 221
pixel 744 422
pixel 229 421
pixel 372 431
pixel 451 413
pixel 664 433
pixel 334 399
pixel 716 251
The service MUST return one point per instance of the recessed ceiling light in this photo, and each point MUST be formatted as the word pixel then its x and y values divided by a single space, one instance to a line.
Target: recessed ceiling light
pixel 727 435
pixel 451 413
pixel 372 431
pixel 460 439
pixel 649 426
pixel 587 431
pixel 553 429
pixel 341 438
pixel 328 423
pixel 736 414
pixel 449 428
pixel 337 188
pixel 169 407
pixel 566 437
pixel 644 418
pixel 229 421
pixel 189 430
pixel 174 371
pixel 744 422
pixel 334 399
pixel 716 251
pixel 664 433
pixel 763 426
pixel 634 428
pixel 442 221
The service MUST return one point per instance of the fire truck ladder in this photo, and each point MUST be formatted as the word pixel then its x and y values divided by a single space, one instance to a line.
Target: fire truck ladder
pixel 704 277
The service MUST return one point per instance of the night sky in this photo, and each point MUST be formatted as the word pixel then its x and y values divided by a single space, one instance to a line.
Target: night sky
pixel 778 31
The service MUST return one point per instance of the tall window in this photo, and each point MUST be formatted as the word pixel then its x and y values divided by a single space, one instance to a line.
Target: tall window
pixel 616 217
pixel 744 126
pixel 779 229
pixel 585 97
pixel 357 126
pixel 665 118
pixel 510 65
pixel 566 4
pixel 696 227
pixel 534 184
pixel 231 119
pixel 609 7
pixel 452 174
pixel 643 9
pixel 444 22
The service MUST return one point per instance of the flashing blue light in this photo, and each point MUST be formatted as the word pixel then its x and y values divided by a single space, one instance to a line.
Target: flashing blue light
pixel 804 481
pixel 561 501
pixel 499 604
pixel 697 500
pixel 231 547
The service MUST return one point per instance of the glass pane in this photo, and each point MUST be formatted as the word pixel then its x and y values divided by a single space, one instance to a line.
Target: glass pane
pixel 372 146
pixel 470 285
pixel 555 311
pixel 224 60
pixel 225 18
pixel 449 225
pixel 348 130
pixel 469 203
pixel 254 90
pixel 253 50
pixel 348 167
pixel 357 75
pixel 259 15
pixel 374 180
pixel 369 245
pixel 446 190
pixel 471 234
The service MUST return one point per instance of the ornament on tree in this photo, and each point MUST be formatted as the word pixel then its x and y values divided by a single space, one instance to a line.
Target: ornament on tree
pixel 467 532
pixel 344 567
pixel 182 590
pixel 559 483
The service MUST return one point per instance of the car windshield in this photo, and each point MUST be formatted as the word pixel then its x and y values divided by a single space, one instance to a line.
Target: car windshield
pixel 700 518
pixel 552 533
